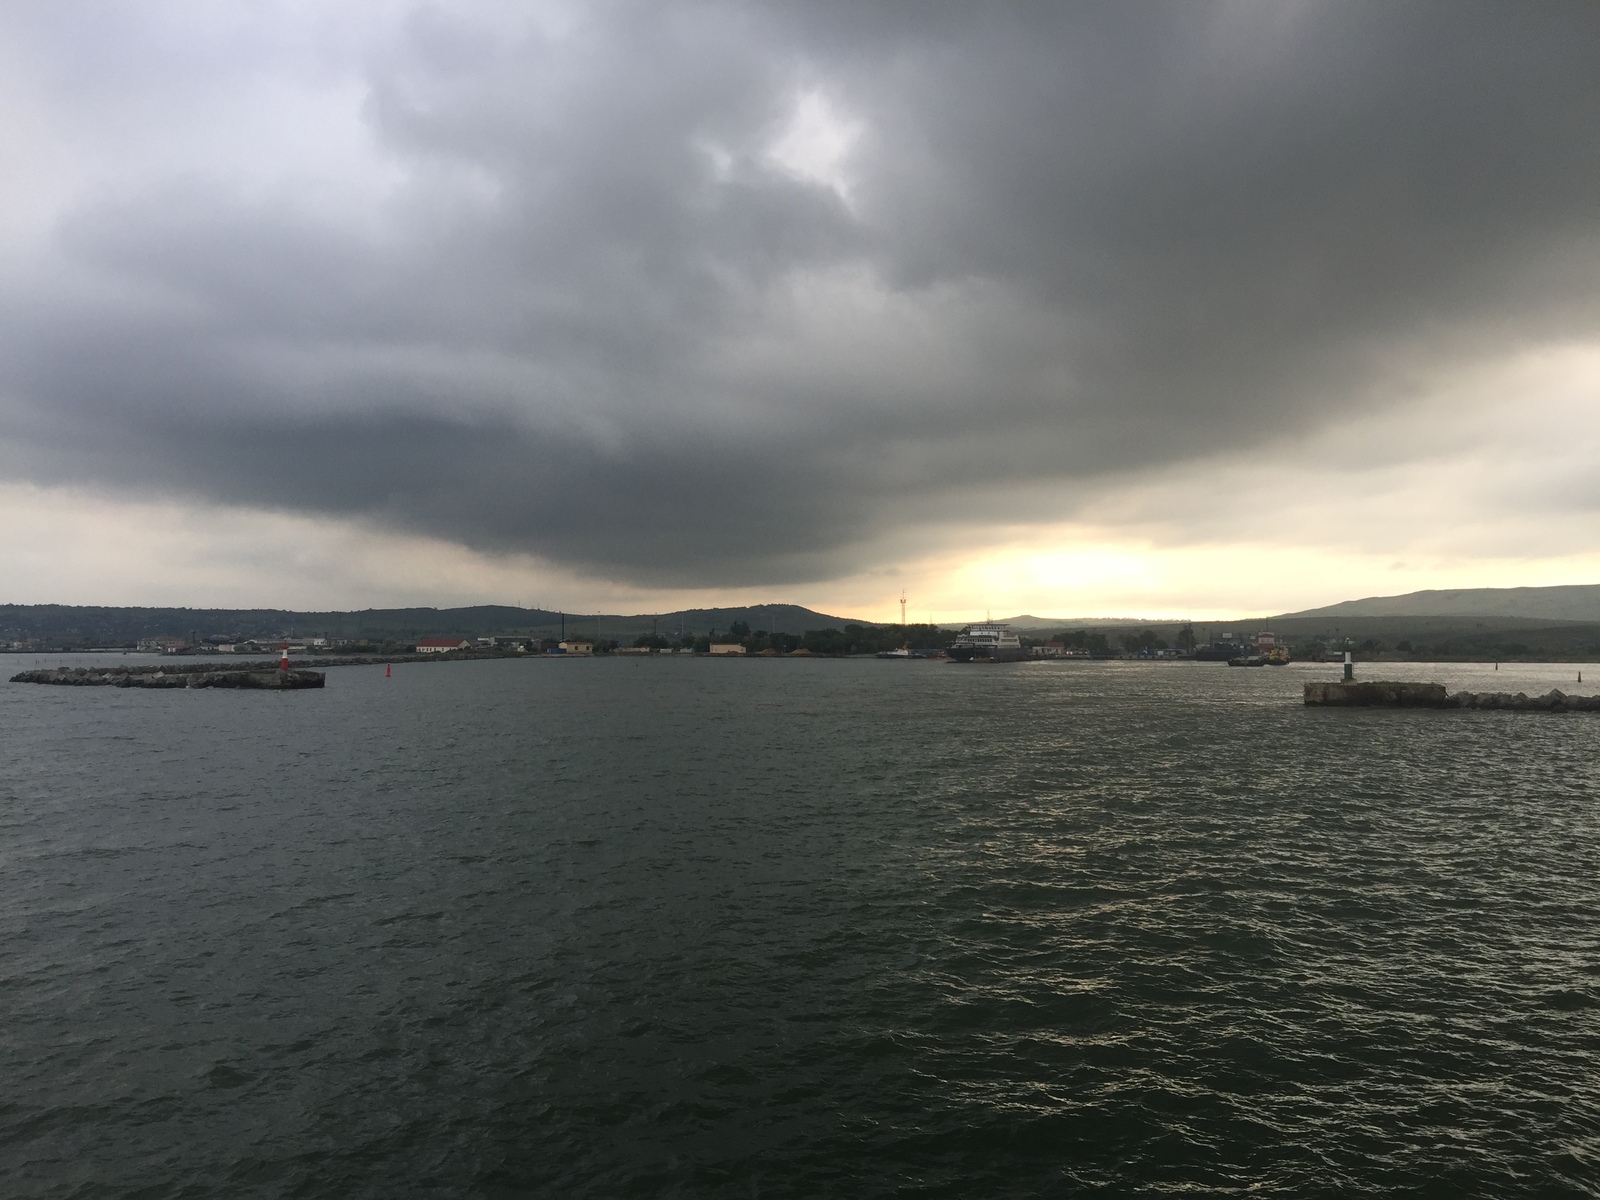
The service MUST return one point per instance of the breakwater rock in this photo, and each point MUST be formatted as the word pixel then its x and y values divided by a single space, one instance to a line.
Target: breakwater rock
pixel 1392 694
pixel 1551 701
pixel 265 680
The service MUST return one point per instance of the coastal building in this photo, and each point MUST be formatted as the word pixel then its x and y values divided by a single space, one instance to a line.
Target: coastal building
pixel 442 645
pixel 726 648
pixel 1050 650
pixel 575 648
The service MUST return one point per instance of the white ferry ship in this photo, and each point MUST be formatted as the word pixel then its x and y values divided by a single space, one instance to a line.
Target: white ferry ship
pixel 993 641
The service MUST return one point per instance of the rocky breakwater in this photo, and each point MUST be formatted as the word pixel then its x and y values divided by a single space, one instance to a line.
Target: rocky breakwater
pixel 1552 701
pixel 153 677
pixel 1391 694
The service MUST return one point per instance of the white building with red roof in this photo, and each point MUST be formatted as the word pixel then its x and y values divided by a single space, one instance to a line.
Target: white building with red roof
pixel 442 645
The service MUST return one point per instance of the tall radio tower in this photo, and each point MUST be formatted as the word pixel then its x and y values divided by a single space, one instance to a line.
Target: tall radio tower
pixel 902 606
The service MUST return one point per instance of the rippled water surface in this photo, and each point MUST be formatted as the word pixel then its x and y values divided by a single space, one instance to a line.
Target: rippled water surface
pixel 784 928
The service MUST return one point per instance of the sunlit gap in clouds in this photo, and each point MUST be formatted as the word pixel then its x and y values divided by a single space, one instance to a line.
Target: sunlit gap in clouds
pixel 817 143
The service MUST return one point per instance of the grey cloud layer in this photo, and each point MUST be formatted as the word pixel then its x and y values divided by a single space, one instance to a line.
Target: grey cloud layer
pixel 591 315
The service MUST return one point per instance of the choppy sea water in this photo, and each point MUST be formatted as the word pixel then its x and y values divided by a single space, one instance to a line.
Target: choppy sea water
pixel 785 928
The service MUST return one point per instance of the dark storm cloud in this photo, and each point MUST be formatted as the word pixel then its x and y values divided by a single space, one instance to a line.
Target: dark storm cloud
pixel 594 315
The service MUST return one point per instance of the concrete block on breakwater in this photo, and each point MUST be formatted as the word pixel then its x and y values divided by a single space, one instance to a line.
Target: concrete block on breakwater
pixel 1391 694
pixel 1379 694
pixel 269 680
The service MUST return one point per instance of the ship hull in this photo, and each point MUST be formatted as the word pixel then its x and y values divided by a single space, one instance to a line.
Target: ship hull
pixel 964 654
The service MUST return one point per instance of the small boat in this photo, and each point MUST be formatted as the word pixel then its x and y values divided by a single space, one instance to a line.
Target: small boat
pixel 1248 660
pixel 902 652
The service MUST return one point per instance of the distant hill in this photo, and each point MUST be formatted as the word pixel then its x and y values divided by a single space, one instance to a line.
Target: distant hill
pixel 777 618
pixel 1573 602
pixel 1027 623
pixel 110 626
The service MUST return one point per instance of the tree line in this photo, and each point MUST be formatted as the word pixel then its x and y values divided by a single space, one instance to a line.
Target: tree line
pixel 852 639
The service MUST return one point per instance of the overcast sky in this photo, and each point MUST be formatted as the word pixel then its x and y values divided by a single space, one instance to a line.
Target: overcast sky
pixel 1183 308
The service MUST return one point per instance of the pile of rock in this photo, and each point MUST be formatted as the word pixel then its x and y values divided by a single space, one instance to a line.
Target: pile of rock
pixel 1396 694
pixel 271 680
pixel 1552 701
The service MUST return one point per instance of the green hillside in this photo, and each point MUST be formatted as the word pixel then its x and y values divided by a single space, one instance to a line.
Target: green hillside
pixel 1573 602
pixel 87 625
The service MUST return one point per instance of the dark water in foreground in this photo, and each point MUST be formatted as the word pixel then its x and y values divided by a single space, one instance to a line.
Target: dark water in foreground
pixel 855 929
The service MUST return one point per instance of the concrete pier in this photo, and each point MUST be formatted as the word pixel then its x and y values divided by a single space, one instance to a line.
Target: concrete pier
pixel 1377 694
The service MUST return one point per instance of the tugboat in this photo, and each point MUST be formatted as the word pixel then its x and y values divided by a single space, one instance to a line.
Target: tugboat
pixel 992 641
pixel 1269 653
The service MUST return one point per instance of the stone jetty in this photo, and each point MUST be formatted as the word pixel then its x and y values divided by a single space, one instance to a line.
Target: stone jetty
pixel 1391 694
pixel 188 677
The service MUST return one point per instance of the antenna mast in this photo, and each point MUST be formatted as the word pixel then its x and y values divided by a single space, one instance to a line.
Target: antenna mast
pixel 902 606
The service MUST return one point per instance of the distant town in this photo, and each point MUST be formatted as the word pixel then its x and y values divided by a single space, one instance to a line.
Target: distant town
pixel 739 639
pixel 853 640
pixel 782 630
